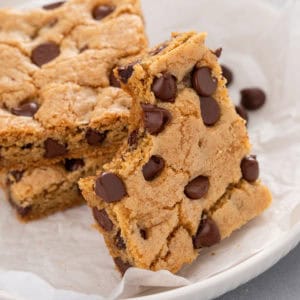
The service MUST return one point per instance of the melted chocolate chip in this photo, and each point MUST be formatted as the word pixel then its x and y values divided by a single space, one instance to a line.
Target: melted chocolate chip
pixel 84 48
pixel 207 235
pixel 103 219
pixel 157 50
pixel 113 80
pixel 17 175
pixel 197 188
pixel 144 234
pixel 165 87
pixel 203 81
pixel 155 118
pixel 44 53
pixel 120 241
pixel 153 167
pixel 110 187
pixel 53 148
pixel 72 165
pixel 253 98
pixel 242 112
pixel 53 5
pixel 22 211
pixel 250 168
pixel 133 138
pixel 210 111
pixel 94 137
pixel 27 146
pixel 218 52
pixel 26 110
pixel 121 265
pixel 227 73
pixel 102 11
pixel 125 72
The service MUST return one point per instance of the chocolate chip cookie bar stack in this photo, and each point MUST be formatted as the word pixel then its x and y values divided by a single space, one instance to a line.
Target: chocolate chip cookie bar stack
pixel 62 112
pixel 186 179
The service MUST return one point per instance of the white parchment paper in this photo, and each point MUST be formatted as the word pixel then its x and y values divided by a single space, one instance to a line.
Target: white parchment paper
pixel 62 257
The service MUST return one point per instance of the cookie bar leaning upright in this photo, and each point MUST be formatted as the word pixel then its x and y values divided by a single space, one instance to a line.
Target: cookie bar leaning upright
pixel 58 98
pixel 186 179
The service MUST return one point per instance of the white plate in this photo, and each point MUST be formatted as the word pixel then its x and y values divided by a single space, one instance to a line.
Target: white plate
pixel 230 279
pixel 224 21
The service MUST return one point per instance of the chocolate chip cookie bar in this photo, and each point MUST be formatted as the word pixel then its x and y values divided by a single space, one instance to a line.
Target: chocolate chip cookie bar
pixel 58 97
pixel 38 192
pixel 186 179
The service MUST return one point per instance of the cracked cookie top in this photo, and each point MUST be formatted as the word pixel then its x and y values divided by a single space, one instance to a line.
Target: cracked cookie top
pixel 74 42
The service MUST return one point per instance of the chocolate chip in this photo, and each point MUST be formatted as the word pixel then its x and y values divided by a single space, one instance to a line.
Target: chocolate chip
pixel 242 112
pixel 165 87
pixel 153 167
pixel 27 146
pixel 53 5
pixel 227 73
pixel 210 110
pixel 17 175
pixel 253 98
pixel 125 72
pixel 22 211
pixel 155 118
pixel 218 52
pixel 102 11
pixel 44 53
pixel 53 148
pixel 94 137
pixel 157 50
pixel 144 234
pixel 133 138
pixel 26 110
pixel 103 219
pixel 197 188
pixel 120 241
pixel 207 235
pixel 121 265
pixel 113 80
pixel 250 168
pixel 84 48
pixel 110 187
pixel 72 165
pixel 203 81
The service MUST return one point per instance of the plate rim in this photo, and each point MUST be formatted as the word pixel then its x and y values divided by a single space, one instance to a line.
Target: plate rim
pixel 235 276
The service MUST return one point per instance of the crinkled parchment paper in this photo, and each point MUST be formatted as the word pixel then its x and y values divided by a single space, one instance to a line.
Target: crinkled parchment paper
pixel 62 257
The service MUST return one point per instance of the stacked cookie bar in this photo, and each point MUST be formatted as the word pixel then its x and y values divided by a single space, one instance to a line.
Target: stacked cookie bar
pixel 185 179
pixel 62 111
